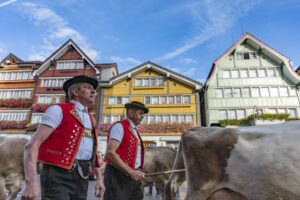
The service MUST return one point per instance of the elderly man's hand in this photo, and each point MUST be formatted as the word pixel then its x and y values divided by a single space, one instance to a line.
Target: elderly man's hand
pixel 99 189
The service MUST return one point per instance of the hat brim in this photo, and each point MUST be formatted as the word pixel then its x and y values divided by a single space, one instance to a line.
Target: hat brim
pixel 80 79
pixel 133 105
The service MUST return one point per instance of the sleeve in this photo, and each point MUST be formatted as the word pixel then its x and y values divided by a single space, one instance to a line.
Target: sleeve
pixel 53 116
pixel 117 132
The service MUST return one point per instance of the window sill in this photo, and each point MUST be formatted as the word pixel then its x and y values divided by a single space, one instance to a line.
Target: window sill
pixel 147 87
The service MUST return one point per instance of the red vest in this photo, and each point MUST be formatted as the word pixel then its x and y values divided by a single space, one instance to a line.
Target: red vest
pixel 128 148
pixel 61 147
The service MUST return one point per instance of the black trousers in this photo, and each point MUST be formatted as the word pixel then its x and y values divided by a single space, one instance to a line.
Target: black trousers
pixel 61 184
pixel 120 186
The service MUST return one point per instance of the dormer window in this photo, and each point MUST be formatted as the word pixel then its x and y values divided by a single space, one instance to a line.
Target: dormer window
pixel 246 55
pixel 70 64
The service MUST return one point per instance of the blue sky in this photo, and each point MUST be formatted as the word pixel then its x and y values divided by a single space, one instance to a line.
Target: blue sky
pixel 185 36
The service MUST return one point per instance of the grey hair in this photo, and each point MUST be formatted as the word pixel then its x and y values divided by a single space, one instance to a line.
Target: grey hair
pixel 74 86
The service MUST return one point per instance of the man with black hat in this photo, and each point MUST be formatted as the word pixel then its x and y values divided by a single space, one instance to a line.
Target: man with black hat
pixel 125 155
pixel 66 143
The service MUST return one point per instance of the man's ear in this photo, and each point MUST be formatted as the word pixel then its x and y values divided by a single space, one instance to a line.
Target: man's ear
pixel 75 92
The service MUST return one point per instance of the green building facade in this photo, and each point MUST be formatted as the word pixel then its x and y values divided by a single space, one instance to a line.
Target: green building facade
pixel 250 77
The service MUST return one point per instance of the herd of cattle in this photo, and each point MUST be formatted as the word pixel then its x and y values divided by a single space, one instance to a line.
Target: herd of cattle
pixel 246 163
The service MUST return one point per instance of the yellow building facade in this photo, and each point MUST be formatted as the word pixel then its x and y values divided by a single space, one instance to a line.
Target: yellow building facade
pixel 169 96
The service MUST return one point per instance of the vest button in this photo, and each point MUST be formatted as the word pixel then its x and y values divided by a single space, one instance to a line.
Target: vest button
pixel 65 155
pixel 62 161
pixel 67 149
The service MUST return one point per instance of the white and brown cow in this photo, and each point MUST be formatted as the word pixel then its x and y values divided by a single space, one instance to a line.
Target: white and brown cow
pixel 11 159
pixel 251 163
pixel 158 159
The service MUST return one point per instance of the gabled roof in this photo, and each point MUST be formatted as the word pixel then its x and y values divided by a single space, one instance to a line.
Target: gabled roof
pixel 107 65
pixel 61 51
pixel 12 56
pixel 150 65
pixel 265 49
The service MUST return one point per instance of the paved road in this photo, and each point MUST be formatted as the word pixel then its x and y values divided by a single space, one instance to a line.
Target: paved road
pixel 92 197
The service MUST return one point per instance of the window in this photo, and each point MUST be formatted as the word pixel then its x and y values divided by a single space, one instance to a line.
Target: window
pixel 13 116
pixel 174 118
pixel 118 100
pixel 255 92
pixel 274 92
pixel 147 100
pixel 236 92
pixel 231 114
pixel 246 55
pixel 227 93
pixel 239 56
pixel 166 118
pixel 222 114
pixel 58 82
pixel 36 118
pixel 178 99
pixel 189 118
pixel 186 99
pixel 48 99
pixel 146 82
pixel 292 113
pixel 170 99
pixel 271 72
pixel 292 91
pixel 219 93
pixel 261 73
pixel 70 65
pixel 252 73
pixel 234 73
pixel 252 55
pixel 241 114
pixel 283 91
pixel 138 82
pixel 244 73
pixel 154 100
pixel 14 94
pixel 226 74
pixel 264 91
pixel 149 82
pixel 159 118
pixel 163 100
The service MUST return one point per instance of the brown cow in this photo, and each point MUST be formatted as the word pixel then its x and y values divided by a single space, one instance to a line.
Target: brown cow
pixel 11 159
pixel 251 163
pixel 158 159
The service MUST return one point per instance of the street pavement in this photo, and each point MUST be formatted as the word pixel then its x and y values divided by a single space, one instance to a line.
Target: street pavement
pixel 91 195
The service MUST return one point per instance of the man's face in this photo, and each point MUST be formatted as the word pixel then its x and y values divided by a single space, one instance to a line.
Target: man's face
pixel 85 94
pixel 136 116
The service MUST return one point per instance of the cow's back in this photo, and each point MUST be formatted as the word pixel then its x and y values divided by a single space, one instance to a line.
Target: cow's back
pixel 11 153
pixel 256 163
pixel 265 163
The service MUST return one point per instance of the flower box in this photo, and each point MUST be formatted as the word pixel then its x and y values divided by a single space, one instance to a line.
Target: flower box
pixel 13 124
pixel 12 103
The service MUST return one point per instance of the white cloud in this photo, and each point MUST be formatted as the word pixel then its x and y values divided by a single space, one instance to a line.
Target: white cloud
pixel 38 57
pixel 125 64
pixel 175 69
pixel 3 50
pixel 213 17
pixel 190 72
pixel 201 80
pixel 57 29
pixel 188 60
pixel 7 3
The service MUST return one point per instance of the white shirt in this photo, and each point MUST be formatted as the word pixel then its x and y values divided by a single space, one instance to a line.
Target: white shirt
pixel 53 117
pixel 117 133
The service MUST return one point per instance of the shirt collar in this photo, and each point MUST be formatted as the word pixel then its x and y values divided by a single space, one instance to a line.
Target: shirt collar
pixel 79 106
pixel 131 124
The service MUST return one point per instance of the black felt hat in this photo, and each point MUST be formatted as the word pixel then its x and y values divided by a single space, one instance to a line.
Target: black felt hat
pixel 136 104
pixel 80 79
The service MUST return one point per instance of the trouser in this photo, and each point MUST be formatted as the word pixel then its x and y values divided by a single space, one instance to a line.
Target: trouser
pixel 121 186
pixel 62 184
